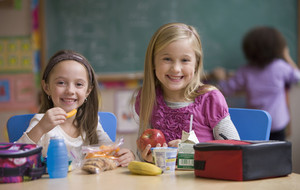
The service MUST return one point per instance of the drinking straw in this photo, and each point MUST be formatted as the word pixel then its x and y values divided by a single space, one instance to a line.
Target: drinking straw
pixel 191 122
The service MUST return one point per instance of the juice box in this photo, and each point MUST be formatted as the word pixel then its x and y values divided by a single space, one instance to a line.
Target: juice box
pixel 185 157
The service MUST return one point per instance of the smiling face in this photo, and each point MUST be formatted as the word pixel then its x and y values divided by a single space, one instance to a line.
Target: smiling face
pixel 68 85
pixel 174 68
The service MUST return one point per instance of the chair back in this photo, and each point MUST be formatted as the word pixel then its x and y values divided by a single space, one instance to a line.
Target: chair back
pixel 109 123
pixel 251 124
pixel 17 125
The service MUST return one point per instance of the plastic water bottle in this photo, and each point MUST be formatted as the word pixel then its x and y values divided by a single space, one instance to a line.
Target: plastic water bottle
pixel 57 158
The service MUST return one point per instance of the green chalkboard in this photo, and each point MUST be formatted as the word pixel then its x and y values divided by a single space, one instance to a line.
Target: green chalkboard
pixel 114 34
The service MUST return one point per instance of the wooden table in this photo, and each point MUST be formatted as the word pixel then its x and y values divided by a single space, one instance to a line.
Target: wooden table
pixel 122 179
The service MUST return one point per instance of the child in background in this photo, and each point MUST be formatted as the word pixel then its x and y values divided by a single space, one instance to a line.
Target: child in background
pixel 264 78
pixel 69 83
pixel 172 90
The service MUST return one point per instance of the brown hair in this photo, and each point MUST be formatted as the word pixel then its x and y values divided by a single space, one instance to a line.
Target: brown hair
pixel 262 45
pixel 86 119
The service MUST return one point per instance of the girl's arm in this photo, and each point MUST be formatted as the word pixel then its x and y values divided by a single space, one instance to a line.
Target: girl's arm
pixel 52 118
pixel 288 58
pixel 225 130
pixel 219 73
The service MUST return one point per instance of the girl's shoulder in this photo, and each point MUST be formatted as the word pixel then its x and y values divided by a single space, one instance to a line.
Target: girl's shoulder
pixel 211 93
pixel 38 116
pixel 280 63
pixel 275 64
pixel 280 67
pixel 213 96
pixel 208 90
pixel 213 104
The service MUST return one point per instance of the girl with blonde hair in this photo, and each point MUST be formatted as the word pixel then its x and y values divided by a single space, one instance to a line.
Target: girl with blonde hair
pixel 172 90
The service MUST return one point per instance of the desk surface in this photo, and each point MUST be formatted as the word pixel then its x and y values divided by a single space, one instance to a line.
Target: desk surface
pixel 122 179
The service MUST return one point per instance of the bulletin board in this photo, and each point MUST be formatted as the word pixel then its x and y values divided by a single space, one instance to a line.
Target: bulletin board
pixel 16 55
pixel 114 34
pixel 18 92
pixel 125 113
pixel 17 77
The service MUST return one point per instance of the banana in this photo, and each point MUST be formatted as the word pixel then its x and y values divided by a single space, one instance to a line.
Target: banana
pixel 144 168
pixel 71 113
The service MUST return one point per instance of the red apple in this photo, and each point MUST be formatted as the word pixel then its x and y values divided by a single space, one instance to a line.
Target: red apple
pixel 151 136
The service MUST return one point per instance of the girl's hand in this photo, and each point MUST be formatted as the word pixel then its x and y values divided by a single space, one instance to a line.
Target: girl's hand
pixel 174 143
pixel 53 117
pixel 219 73
pixel 288 58
pixel 147 154
pixel 125 156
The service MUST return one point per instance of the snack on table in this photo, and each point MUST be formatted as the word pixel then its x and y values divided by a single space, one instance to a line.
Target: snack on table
pixel 100 158
pixel 104 151
pixel 99 164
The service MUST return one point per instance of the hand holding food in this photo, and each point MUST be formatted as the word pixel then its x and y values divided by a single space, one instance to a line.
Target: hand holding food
pixel 152 137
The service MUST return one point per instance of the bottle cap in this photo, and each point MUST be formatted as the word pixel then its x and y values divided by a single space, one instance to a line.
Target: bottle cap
pixel 56 137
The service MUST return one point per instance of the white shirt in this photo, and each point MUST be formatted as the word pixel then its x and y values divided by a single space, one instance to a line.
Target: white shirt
pixel 73 144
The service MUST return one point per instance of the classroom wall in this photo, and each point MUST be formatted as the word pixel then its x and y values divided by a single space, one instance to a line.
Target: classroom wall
pixel 295 129
pixel 15 21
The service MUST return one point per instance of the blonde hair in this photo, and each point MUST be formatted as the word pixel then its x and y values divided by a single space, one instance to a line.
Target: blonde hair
pixel 165 35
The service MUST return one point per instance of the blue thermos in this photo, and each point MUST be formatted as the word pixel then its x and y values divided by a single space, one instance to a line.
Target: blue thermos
pixel 57 158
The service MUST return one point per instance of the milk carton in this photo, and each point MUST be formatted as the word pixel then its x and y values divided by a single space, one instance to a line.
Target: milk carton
pixel 186 151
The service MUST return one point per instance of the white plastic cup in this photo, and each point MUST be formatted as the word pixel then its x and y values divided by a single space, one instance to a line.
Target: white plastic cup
pixel 165 158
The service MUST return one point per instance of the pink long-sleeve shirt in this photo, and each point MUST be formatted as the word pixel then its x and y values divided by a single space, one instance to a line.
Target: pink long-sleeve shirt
pixel 208 110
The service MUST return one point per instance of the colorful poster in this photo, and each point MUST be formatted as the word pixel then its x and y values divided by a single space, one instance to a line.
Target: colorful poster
pixel 4 91
pixel 124 112
pixel 16 55
pixel 18 91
